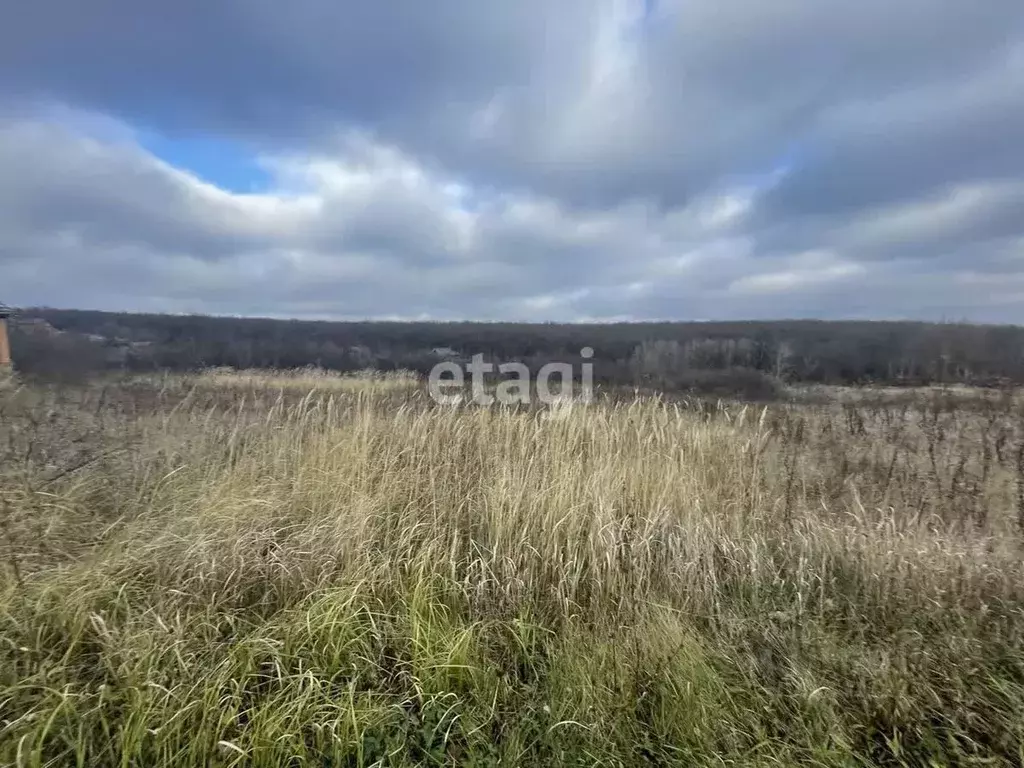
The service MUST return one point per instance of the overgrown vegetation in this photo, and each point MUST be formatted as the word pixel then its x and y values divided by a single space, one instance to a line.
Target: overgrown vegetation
pixel 257 571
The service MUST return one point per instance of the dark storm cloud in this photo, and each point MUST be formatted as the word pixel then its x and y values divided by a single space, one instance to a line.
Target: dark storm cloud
pixel 875 153
pixel 271 69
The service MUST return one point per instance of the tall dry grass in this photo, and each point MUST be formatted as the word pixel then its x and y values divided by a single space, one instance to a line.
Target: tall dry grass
pixel 304 379
pixel 357 577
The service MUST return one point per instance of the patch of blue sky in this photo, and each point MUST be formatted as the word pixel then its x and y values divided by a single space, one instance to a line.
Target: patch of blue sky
pixel 229 164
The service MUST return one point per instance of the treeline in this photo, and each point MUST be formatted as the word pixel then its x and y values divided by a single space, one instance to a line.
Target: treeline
pixel 659 353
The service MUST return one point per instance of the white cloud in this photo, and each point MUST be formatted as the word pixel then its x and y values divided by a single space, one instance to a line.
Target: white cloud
pixel 812 270
pixel 527 160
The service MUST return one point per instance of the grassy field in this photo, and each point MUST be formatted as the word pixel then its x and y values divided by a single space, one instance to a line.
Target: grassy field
pixel 249 569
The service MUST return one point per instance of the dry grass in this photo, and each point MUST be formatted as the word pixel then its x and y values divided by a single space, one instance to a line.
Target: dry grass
pixel 357 577
pixel 305 380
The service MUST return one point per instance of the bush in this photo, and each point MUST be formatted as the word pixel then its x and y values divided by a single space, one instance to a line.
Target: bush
pixel 55 357
pixel 729 384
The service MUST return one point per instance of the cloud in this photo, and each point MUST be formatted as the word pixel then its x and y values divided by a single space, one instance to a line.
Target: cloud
pixel 520 160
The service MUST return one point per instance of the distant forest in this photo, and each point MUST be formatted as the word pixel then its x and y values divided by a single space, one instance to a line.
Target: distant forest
pixel 671 355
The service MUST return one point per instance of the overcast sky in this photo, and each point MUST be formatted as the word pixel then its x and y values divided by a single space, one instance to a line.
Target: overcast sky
pixel 515 159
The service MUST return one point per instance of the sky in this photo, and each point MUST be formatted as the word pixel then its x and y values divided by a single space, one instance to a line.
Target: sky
pixel 527 160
